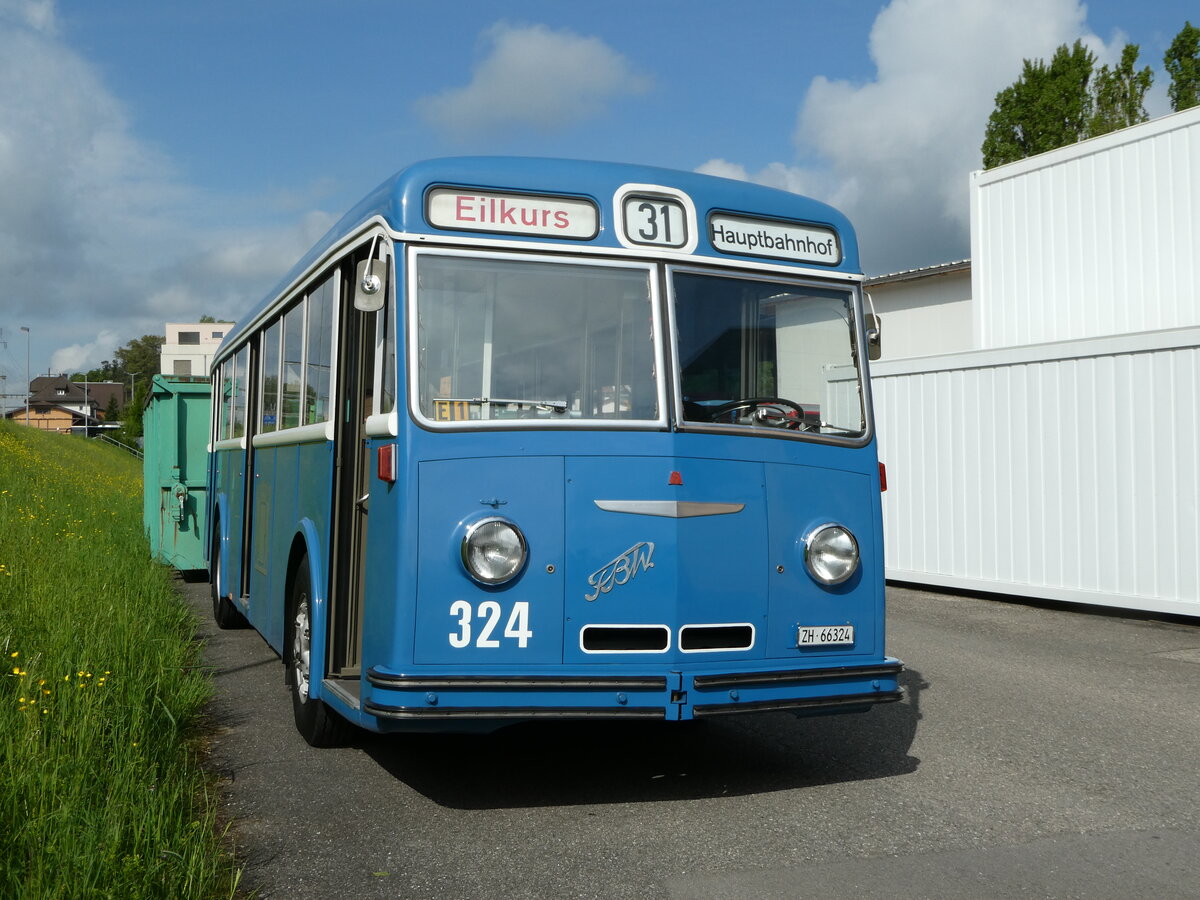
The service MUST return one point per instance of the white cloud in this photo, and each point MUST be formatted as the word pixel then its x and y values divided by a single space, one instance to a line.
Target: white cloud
pixel 37 14
pixel 100 240
pixel 895 153
pixel 80 357
pixel 534 77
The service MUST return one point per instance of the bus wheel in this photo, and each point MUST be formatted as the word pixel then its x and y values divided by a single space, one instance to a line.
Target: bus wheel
pixel 316 722
pixel 225 614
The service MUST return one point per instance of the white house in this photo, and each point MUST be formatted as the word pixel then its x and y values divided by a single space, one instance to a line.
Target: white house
pixel 924 311
pixel 189 347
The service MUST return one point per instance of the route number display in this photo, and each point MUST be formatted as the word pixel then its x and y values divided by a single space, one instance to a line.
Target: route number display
pixel 655 221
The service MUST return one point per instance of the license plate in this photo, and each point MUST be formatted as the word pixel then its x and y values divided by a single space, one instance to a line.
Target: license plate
pixel 826 635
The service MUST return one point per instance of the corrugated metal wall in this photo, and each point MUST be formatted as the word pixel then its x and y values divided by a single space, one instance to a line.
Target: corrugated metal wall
pixel 1094 239
pixel 1064 471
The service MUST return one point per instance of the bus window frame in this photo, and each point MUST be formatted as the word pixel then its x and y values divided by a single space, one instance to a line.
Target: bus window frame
pixel 380 422
pixel 653 271
pixel 858 351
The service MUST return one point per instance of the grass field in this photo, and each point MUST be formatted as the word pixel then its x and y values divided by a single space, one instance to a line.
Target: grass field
pixel 102 791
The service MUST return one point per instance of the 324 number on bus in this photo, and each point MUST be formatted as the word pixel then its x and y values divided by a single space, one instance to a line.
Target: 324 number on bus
pixel 479 624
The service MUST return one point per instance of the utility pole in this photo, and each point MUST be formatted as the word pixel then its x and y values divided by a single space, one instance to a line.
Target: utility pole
pixel 28 382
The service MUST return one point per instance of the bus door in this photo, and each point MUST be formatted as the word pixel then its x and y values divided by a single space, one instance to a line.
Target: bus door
pixel 241 511
pixel 364 371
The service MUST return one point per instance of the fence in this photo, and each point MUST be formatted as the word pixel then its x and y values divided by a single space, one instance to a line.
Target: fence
pixel 1065 471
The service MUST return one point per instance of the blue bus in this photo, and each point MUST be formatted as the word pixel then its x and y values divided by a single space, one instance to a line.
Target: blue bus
pixel 534 438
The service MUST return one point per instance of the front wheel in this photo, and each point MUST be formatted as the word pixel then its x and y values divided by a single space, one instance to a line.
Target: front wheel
pixel 316 722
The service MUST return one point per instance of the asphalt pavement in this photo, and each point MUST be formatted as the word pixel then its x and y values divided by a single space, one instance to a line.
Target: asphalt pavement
pixel 1040 753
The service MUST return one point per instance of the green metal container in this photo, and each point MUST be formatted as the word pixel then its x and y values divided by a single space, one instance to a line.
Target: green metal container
pixel 176 430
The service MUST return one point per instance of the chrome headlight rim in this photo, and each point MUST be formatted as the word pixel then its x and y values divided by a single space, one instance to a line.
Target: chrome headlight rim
pixel 511 570
pixel 816 540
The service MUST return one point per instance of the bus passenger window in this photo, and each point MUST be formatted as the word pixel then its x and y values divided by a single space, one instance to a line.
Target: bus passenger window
pixel 293 361
pixel 318 355
pixel 270 377
pixel 241 383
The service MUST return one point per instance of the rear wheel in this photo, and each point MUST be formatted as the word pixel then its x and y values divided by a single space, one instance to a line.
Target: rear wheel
pixel 225 614
pixel 316 722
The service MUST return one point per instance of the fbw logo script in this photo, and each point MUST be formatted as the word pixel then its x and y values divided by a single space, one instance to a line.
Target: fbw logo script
pixel 612 574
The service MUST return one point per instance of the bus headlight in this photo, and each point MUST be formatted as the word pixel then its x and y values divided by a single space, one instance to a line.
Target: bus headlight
pixel 493 550
pixel 830 553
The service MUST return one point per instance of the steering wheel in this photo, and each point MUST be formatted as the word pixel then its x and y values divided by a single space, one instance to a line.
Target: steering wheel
pixel 774 411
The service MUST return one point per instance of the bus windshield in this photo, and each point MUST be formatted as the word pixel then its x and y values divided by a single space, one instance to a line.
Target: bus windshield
pixel 502 338
pixel 766 354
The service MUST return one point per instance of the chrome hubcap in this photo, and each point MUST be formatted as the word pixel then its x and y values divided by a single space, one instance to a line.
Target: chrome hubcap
pixel 301 649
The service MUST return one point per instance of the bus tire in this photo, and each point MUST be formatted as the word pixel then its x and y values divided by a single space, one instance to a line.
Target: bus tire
pixel 317 723
pixel 225 614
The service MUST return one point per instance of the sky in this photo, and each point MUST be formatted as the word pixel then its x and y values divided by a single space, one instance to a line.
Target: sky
pixel 163 160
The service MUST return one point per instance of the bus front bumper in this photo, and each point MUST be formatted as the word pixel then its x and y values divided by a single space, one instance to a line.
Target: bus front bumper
pixel 675 696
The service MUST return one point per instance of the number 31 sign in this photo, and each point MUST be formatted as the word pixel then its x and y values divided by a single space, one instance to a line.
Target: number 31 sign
pixel 655 221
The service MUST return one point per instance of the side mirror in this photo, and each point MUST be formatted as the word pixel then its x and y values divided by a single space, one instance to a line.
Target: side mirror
pixel 369 280
pixel 874 337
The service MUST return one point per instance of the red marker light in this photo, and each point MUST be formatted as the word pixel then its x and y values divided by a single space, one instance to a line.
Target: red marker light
pixel 882 478
pixel 675 478
pixel 385 459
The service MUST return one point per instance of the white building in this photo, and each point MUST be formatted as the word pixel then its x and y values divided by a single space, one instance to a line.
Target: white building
pixel 924 311
pixel 189 347
pixel 1056 456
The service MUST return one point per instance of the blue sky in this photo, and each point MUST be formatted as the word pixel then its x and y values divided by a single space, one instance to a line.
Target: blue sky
pixel 162 160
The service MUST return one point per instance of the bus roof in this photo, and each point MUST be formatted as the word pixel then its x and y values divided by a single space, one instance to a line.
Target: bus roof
pixel 401 201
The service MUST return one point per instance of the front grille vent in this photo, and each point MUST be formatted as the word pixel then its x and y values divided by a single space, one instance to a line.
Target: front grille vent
pixel 698 638
pixel 625 638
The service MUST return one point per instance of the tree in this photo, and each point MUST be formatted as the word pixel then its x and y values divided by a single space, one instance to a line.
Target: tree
pixel 1049 106
pixel 1182 62
pixel 141 355
pixel 1119 95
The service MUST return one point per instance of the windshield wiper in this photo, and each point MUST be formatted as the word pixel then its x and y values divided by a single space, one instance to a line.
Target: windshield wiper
pixel 825 426
pixel 556 406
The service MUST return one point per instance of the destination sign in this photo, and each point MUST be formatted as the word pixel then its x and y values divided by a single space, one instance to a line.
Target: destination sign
pixel 776 239
pixel 463 209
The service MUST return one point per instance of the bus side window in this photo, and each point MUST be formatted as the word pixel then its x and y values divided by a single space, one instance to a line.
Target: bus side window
pixel 319 355
pixel 269 402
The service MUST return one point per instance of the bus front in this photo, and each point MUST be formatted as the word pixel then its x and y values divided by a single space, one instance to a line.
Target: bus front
pixel 638 481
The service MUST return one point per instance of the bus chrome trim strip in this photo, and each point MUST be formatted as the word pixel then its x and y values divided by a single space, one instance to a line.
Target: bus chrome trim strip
pixel 672 509
pixel 741 679
pixel 522 682
pixel 846 701
pixel 303 434
pixel 515 712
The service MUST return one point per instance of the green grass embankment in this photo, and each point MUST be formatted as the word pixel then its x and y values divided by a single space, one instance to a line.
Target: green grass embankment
pixel 102 791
